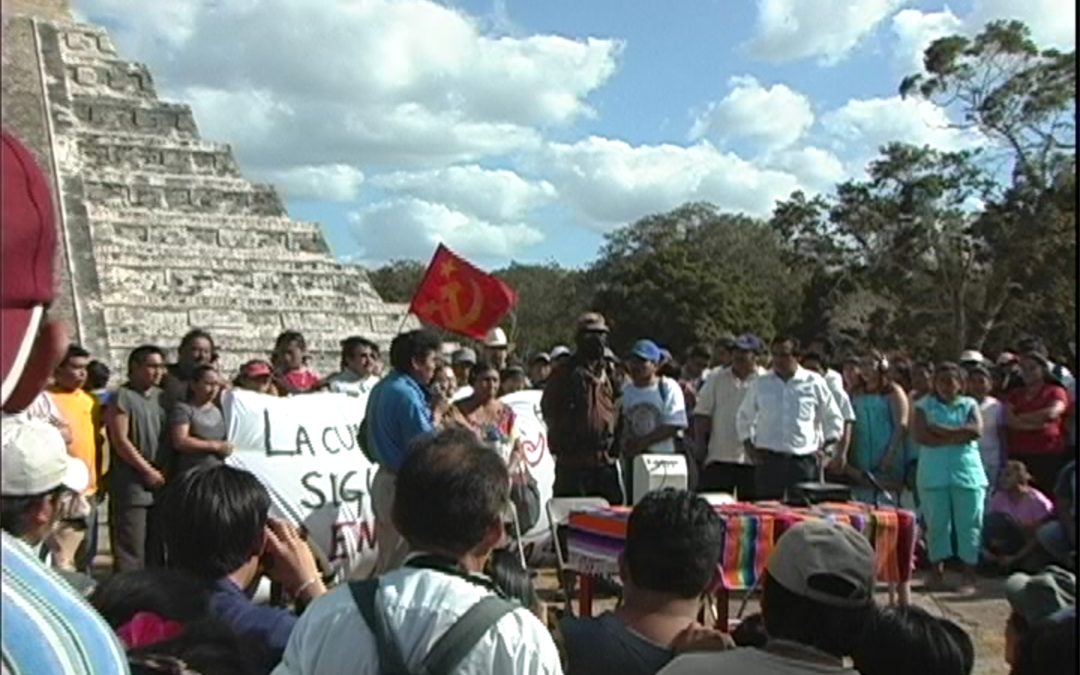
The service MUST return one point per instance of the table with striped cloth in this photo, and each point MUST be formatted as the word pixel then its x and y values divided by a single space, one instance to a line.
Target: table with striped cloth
pixel 596 537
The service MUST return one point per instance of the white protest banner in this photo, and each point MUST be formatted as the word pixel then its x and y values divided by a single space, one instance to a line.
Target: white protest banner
pixel 304 450
pixel 526 405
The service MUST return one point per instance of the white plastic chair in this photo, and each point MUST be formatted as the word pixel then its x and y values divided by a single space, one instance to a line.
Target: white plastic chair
pixel 558 513
pixel 511 518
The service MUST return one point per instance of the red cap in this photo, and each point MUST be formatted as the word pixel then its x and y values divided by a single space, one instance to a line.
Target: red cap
pixel 27 254
pixel 256 368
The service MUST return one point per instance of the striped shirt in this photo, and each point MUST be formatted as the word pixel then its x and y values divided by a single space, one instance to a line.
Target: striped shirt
pixel 47 628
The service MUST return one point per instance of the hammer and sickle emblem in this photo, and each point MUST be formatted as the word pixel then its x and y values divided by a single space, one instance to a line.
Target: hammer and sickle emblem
pixel 454 315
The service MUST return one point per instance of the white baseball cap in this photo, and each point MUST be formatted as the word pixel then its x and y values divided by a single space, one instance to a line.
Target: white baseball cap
pixel 560 351
pixel 972 356
pixel 34 460
pixel 496 337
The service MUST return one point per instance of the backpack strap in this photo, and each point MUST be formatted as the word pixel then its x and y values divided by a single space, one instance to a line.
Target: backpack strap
pixel 455 644
pixel 366 594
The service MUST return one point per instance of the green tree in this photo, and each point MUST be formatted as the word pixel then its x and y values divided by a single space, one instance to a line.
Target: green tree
pixel 397 280
pixel 688 275
pixel 1023 100
pixel 550 298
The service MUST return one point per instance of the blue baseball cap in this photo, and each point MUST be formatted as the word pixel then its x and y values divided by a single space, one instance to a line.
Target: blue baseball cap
pixel 748 342
pixel 647 350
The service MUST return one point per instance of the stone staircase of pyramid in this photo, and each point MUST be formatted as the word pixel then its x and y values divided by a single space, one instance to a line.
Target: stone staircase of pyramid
pixel 162 232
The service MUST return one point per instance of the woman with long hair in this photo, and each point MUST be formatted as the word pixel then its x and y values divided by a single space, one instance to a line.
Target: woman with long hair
pixel 880 429
pixel 196 426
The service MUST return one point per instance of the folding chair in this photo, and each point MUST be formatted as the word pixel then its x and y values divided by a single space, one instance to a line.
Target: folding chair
pixel 558 513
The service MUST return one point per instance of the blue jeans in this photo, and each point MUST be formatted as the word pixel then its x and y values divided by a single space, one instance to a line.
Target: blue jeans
pixel 84 557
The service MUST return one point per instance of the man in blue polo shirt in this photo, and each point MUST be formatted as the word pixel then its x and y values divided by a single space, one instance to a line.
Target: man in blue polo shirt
pixel 398 411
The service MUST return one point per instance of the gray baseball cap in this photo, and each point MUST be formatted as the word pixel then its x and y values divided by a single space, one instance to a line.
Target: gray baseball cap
pixel 464 355
pixel 817 548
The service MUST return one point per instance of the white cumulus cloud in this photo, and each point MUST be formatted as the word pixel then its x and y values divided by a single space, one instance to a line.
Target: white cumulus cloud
pixel 818 169
pixel 412 228
pixel 825 30
pixel 772 116
pixel 330 182
pixel 497 195
pixel 862 126
pixel 369 83
pixel 611 182
pixel 1052 24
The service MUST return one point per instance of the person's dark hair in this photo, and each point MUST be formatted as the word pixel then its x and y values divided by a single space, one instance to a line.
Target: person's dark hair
pixel 205 647
pixel 97 376
pixel 173 594
pixel 673 542
pixel 699 351
pixel 908 639
pixel 834 630
pixel 13 510
pixel 787 339
pixel 138 356
pixel 75 351
pixel 505 569
pixel 481 368
pixel 963 641
pixel 815 357
pixel 213 520
pixel 1032 344
pixel 413 344
pixel 193 335
pixel 197 375
pixel 670 370
pixel 1049 648
pixel 351 344
pixel 287 338
pixel 948 368
pixel 827 346
pixel 451 490
pixel 750 632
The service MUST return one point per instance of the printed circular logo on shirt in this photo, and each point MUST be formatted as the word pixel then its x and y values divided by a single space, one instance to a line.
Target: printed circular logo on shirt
pixel 642 419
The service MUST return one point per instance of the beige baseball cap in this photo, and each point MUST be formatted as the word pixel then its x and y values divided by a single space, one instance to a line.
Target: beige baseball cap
pixel 34 460
pixel 815 549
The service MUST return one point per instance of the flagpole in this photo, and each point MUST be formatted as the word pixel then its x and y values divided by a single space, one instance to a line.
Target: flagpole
pixel 404 320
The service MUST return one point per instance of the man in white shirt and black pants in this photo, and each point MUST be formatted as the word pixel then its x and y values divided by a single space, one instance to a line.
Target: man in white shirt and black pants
pixel 780 419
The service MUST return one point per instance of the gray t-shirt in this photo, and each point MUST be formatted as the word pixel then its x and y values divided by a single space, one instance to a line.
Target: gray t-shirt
pixel 749 661
pixel 205 423
pixel 604 644
pixel 146 428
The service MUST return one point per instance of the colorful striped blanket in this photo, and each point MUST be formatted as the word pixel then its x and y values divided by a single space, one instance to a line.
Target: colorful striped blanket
pixel 597 536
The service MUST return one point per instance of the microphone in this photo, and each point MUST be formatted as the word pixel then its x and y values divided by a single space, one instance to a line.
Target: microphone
pixel 878 487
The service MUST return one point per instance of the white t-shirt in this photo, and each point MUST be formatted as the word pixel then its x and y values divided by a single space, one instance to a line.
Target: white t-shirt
pixel 332 637
pixel 719 400
pixel 351 384
pixel 993 419
pixel 645 409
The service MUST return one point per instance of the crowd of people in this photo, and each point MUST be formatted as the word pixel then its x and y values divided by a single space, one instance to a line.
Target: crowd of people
pixel 973 445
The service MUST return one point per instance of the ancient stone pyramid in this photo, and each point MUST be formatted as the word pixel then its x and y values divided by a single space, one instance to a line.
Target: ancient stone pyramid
pixel 160 231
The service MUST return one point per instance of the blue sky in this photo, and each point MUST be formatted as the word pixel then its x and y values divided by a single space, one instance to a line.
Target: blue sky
pixel 525 129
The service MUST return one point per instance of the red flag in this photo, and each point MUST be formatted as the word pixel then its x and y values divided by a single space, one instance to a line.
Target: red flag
pixel 456 295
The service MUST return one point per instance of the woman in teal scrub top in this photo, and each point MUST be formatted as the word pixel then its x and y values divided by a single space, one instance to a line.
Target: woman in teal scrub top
pixel 951 480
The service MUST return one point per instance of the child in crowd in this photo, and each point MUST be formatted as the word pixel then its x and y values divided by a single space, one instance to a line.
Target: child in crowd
pixel 291 372
pixel 951 480
pixel 1015 512
pixel 992 441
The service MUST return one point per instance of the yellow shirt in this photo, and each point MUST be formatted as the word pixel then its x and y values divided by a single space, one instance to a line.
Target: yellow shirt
pixel 78 408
